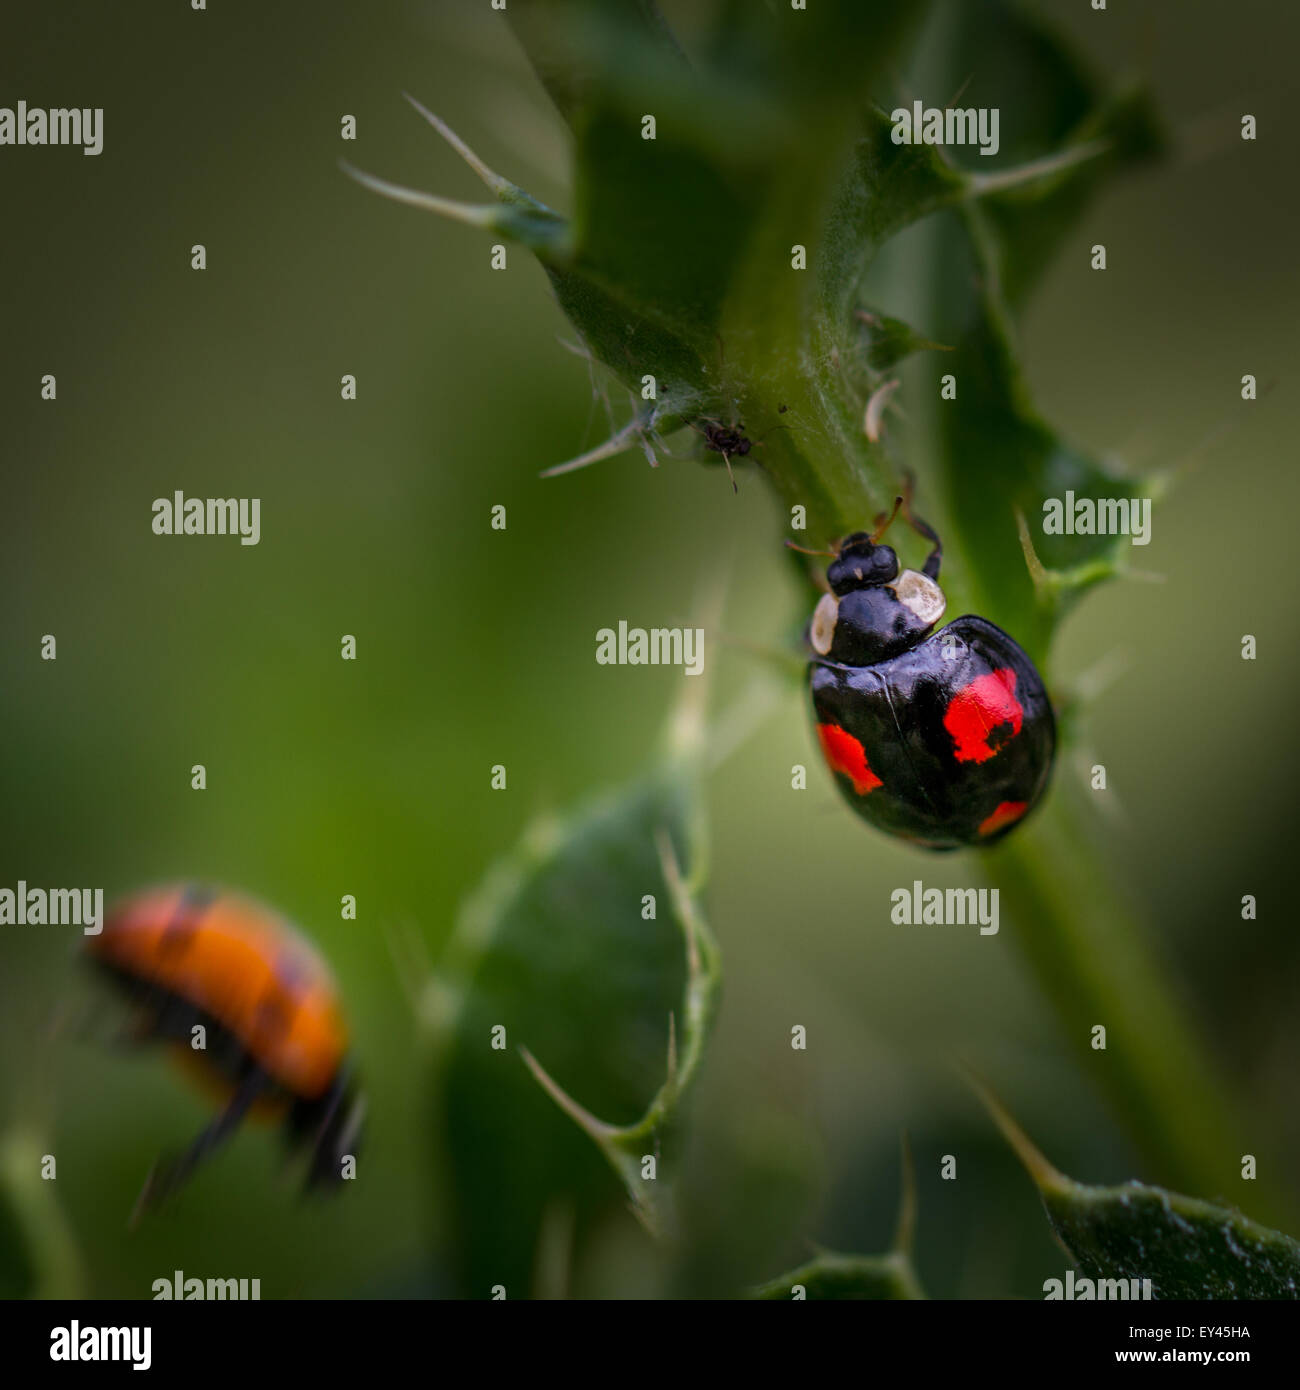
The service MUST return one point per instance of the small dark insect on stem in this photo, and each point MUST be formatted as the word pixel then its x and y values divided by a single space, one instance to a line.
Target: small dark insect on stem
pixel 730 441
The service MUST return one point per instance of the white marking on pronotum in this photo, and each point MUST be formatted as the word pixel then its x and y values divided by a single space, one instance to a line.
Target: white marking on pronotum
pixel 921 594
pixel 822 633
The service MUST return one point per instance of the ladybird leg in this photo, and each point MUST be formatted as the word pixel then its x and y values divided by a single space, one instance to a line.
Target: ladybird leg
pixel 922 528
pixel 884 520
pixel 166 1177
pixel 335 1132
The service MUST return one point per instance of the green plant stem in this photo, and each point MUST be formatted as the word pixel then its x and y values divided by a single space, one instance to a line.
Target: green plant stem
pixel 1087 950
pixel 779 352
pixel 1085 946
pixel 1089 955
pixel 51 1250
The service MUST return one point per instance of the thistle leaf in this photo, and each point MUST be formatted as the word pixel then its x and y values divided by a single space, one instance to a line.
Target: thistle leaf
pixel 829 1275
pixel 593 995
pixel 1188 1249
pixel 846 1277
pixel 628 1147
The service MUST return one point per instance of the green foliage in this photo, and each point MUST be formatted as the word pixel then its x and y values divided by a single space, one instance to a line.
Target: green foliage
pixel 1187 1248
pixel 38 1256
pixel 847 1277
pixel 730 258
pixel 829 1275
pixel 997 456
pixel 606 1012
pixel 629 1147
pixel 676 262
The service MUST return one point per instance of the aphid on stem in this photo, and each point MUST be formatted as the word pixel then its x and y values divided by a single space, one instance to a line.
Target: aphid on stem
pixel 730 441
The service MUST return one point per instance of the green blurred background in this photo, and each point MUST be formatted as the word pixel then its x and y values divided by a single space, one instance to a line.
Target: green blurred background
pixel 476 647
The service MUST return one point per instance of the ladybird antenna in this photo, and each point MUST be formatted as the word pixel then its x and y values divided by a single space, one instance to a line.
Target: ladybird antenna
pixel 883 525
pixel 803 550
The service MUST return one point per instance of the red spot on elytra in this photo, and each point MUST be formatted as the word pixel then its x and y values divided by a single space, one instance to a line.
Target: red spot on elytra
pixel 979 708
pixel 845 754
pixel 1006 814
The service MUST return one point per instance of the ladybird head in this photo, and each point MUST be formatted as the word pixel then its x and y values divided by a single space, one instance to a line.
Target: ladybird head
pixel 874 610
pixel 860 564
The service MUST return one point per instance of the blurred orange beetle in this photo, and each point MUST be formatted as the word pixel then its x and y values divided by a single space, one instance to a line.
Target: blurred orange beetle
pixel 189 957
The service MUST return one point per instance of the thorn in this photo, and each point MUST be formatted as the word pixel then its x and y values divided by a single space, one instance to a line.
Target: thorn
pixel 957 95
pixel 981 185
pixel 473 214
pixel 615 444
pixel 683 904
pixel 871 421
pixel 520 218
pixel 671 1071
pixel 502 187
pixel 1043 1174
pixel 1037 570
pixel 581 1116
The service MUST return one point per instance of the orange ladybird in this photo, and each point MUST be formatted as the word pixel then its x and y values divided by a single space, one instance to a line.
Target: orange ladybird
pixel 275 1038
